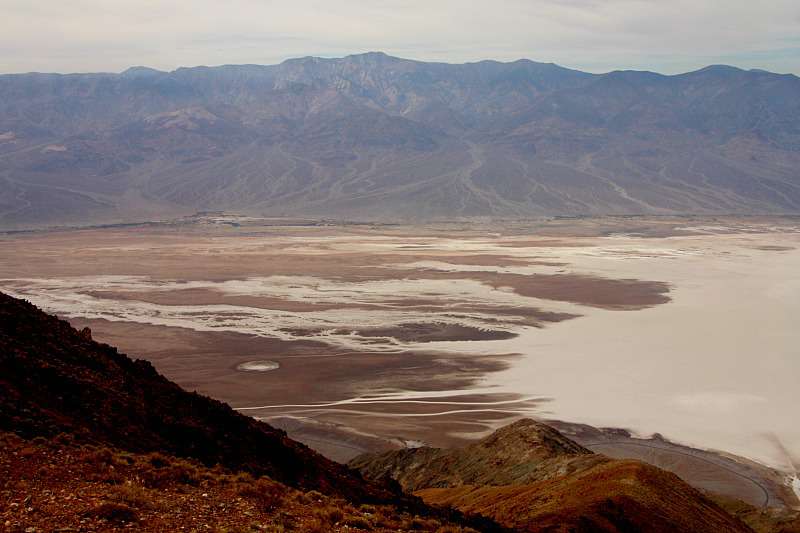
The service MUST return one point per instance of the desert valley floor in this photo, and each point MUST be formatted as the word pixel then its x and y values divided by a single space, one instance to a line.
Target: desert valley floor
pixel 679 336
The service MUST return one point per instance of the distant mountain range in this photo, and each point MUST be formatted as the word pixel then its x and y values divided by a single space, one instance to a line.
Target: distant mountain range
pixel 377 137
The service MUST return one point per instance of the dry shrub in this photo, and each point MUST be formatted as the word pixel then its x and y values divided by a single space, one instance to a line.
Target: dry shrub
pixel 107 476
pixel 421 524
pixel 310 497
pixel 64 438
pixel 329 514
pixel 244 477
pixel 11 440
pixel 103 462
pixel 266 494
pixel 99 456
pixel 124 458
pixel 134 495
pixel 28 451
pixel 367 508
pixel 358 522
pixel 158 460
pixel 285 520
pixel 113 512
pixel 316 525
pixel 385 516
pixel 176 473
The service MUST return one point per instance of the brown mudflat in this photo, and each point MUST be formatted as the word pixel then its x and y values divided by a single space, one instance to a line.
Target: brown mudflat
pixel 207 360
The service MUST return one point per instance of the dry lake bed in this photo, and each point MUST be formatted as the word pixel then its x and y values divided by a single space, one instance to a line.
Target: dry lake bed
pixel 679 336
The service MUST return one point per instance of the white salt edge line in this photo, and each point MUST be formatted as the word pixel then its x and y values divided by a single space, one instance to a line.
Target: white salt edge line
pixel 357 401
pixel 411 415
pixel 68 297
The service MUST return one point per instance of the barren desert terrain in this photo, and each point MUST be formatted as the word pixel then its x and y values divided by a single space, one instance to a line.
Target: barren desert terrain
pixel 366 337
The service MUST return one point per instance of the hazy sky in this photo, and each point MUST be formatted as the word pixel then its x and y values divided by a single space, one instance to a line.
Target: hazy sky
pixel 596 35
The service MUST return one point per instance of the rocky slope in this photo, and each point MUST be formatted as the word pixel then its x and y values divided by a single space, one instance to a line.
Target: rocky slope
pixel 530 477
pixel 522 452
pixel 79 419
pixel 54 379
pixel 58 485
pixel 613 496
pixel 374 136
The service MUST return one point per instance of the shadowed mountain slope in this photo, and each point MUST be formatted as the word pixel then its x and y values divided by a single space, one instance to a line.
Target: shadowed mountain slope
pixel 120 444
pixel 374 136
pixel 54 379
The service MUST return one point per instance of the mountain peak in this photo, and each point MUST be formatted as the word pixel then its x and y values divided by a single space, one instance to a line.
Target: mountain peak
pixel 522 452
pixel 140 72
pixel 527 435
pixel 529 477
pixel 374 54
pixel 372 58
pixel 718 70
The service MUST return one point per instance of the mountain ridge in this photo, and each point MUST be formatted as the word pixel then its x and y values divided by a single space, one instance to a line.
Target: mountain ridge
pixel 530 477
pixel 381 54
pixel 372 136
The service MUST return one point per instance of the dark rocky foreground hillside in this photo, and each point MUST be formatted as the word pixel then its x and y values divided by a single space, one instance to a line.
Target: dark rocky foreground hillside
pixel 372 136
pixel 56 380
pixel 94 441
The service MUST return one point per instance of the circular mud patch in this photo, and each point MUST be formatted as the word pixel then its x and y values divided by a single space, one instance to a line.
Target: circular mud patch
pixel 258 366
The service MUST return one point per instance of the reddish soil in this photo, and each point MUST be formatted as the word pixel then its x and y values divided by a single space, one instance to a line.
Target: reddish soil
pixel 57 485
pixel 615 496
